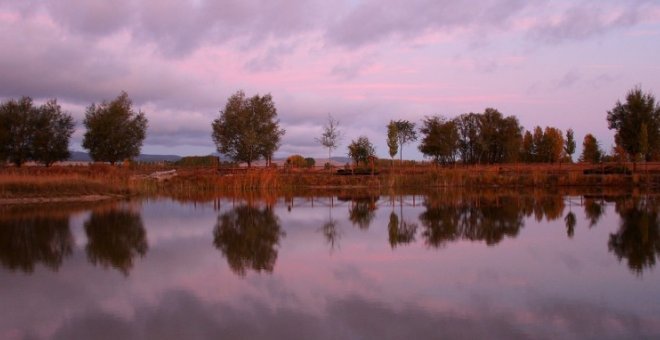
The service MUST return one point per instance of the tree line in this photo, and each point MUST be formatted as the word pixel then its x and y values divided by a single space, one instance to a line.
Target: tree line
pixel 248 129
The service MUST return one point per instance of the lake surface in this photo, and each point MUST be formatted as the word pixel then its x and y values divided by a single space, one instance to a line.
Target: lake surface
pixel 352 266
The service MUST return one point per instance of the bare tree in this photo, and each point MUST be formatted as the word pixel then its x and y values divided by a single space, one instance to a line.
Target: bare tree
pixel 331 136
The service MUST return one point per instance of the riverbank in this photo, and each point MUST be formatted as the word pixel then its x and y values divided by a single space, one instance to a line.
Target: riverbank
pixel 98 182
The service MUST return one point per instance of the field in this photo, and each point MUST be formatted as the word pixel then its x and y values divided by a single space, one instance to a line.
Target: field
pixel 97 181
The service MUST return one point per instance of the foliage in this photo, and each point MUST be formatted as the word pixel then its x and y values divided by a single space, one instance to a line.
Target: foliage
pixel 34 133
pixel 53 132
pixel 392 140
pixel 115 131
pixel 296 161
pixel 628 119
pixel 440 140
pixel 331 136
pixel 488 137
pixel 247 128
pixel 405 133
pixel 310 162
pixel 591 151
pixel 543 146
pixel 361 150
pixel 569 144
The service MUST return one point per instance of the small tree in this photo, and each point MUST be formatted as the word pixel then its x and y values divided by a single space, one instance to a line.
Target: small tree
pixel 405 133
pixel 569 145
pixel 331 136
pixel 590 149
pixel 53 132
pixel 361 150
pixel 247 128
pixel 392 139
pixel 115 131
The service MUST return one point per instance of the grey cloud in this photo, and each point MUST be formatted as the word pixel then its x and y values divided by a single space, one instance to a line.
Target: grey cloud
pixel 372 21
pixel 582 21
pixel 95 17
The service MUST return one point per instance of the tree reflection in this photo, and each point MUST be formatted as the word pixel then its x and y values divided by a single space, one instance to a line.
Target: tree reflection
pixel 638 237
pixel 593 209
pixel 402 232
pixel 26 241
pixel 362 211
pixel 248 237
pixel 570 221
pixel 474 220
pixel 115 237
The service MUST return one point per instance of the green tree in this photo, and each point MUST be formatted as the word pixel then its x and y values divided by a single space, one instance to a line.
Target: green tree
pixel 115 131
pixel 528 152
pixel 361 150
pixel 53 131
pixel 590 149
pixel 553 145
pixel 405 133
pixel 440 139
pixel 628 118
pixel 392 140
pixel 468 125
pixel 331 136
pixel 569 145
pixel 247 128
pixel 18 119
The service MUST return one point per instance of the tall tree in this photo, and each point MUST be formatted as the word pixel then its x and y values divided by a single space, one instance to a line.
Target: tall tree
pixel 115 131
pixel 590 149
pixel 392 140
pixel 331 135
pixel 468 125
pixel 405 133
pixel 361 150
pixel 528 152
pixel 52 134
pixel 247 128
pixel 553 145
pixel 440 139
pixel 628 118
pixel 569 145
pixel 18 118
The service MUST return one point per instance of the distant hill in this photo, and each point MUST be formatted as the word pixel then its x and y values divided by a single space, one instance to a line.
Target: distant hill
pixel 79 156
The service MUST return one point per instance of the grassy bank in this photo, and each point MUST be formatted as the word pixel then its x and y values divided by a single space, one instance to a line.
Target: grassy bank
pixel 193 183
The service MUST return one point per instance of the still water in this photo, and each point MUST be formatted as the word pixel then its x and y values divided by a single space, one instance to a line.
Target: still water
pixel 359 266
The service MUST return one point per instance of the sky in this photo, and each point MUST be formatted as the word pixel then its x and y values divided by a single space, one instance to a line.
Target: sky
pixel 365 62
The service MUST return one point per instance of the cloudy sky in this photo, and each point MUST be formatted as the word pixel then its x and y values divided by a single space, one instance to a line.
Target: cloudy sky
pixel 559 63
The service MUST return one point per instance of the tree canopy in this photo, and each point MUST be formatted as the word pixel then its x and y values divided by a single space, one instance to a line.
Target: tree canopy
pixel 361 150
pixel 404 133
pixel 639 112
pixel 28 132
pixel 247 128
pixel 115 131
pixel 440 139
pixel 590 150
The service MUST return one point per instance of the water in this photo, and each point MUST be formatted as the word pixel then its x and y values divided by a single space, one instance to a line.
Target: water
pixel 445 265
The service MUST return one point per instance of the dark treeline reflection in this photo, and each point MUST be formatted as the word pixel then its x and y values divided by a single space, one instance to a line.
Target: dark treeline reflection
pixel 362 210
pixel 248 237
pixel 115 237
pixel 27 240
pixel 400 230
pixel 638 237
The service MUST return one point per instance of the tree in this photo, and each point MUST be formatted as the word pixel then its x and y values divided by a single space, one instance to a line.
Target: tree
pixel 440 140
pixel 392 140
pixel 115 131
pixel 553 145
pixel 331 135
pixel 528 152
pixel 247 128
pixel 361 150
pixel 18 120
pixel 468 137
pixel 590 149
pixel 569 145
pixel 405 133
pixel 628 118
pixel 53 131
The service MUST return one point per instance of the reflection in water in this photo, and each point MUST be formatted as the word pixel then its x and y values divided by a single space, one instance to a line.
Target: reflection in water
pixel 570 221
pixel 28 240
pixel 362 211
pixel 638 237
pixel 400 232
pixel 115 237
pixel 248 237
pixel 593 209
pixel 474 220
